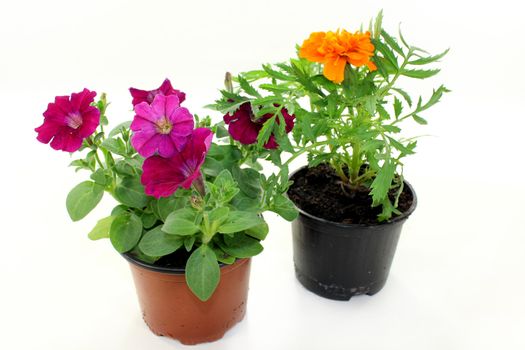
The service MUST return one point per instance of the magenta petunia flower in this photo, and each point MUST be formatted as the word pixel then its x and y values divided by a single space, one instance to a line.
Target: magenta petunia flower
pixel 162 127
pixel 148 96
pixel 243 128
pixel 161 177
pixel 69 120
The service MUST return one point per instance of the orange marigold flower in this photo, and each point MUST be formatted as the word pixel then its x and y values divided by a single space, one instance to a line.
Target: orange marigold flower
pixel 335 50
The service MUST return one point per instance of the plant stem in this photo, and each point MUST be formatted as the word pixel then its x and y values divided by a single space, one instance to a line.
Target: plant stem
pixel 398 74
pixel 356 162
pixel 98 160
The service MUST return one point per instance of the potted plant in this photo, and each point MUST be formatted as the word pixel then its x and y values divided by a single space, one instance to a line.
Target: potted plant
pixel 189 213
pixel 352 197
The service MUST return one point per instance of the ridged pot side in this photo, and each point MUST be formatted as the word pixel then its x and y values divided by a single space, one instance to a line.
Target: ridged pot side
pixel 170 309
pixel 338 261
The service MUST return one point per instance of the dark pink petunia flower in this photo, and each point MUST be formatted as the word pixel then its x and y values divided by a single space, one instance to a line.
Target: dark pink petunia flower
pixel 148 96
pixel 162 127
pixel 161 177
pixel 243 128
pixel 69 120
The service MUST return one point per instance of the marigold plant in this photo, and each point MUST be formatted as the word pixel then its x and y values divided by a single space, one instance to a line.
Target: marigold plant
pixel 345 94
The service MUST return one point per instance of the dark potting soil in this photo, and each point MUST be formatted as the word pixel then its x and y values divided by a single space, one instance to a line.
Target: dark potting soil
pixel 318 191
pixel 175 260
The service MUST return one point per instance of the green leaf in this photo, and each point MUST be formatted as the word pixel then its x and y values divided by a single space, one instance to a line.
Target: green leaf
pixel 398 107
pixel 381 184
pixel 419 120
pixel 166 205
pixel 240 245
pixel 392 42
pixel 284 207
pixel 382 112
pixel 224 179
pixel 370 104
pixel 276 74
pixel 221 157
pixel 119 209
pixel 250 90
pixel 387 210
pixel 419 73
pixel 203 272
pixel 124 168
pixel 400 147
pixel 125 232
pixel 222 256
pixel 148 220
pixel 219 214
pixel 225 188
pixel 405 95
pixel 248 180
pixel 188 243
pixel 260 231
pixel 436 96
pixel 137 253
pixel 429 59
pixel 387 53
pixel 83 198
pixel 239 221
pixel 101 229
pixel 99 177
pixel 181 222
pixel 243 202
pixel 266 131
pixel 254 75
pixel 118 129
pixel 391 128
pixel 116 146
pixel 158 243
pixel 377 24
pixel 131 193
pixel 275 87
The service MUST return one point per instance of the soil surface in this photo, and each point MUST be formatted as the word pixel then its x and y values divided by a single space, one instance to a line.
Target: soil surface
pixel 318 191
pixel 175 260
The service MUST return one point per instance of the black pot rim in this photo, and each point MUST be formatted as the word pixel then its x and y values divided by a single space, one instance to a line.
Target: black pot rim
pixel 161 269
pixel 396 219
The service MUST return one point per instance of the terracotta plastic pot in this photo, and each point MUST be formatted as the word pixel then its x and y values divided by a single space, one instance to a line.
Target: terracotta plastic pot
pixel 170 309
pixel 338 261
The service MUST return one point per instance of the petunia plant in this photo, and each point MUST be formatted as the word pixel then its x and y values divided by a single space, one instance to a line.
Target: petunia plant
pixel 178 192
pixel 344 91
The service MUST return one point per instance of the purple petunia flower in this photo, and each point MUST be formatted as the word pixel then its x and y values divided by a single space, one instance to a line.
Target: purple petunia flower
pixel 69 120
pixel 243 128
pixel 149 95
pixel 162 127
pixel 161 177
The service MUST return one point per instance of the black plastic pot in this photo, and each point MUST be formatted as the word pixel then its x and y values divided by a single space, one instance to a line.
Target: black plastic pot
pixel 338 261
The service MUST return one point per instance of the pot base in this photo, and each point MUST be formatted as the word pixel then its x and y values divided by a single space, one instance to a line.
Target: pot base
pixel 170 309
pixel 337 292
pixel 209 337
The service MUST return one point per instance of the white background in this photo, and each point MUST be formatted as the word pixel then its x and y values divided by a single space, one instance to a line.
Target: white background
pixel 457 281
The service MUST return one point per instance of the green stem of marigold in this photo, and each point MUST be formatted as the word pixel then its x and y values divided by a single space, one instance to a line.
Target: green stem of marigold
pixel 356 161
pixel 309 148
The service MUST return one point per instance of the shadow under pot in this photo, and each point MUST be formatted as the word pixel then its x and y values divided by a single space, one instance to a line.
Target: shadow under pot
pixel 339 260
pixel 170 309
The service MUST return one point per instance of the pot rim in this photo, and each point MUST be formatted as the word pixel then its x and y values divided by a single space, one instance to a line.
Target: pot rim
pixel 396 219
pixel 174 270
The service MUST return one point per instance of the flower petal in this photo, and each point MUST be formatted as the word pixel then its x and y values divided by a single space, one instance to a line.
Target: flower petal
pixel 66 141
pixel 82 100
pixel 241 127
pixel 159 177
pixel 334 69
